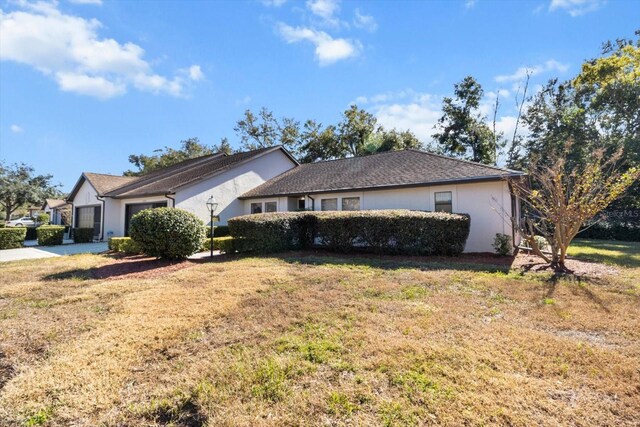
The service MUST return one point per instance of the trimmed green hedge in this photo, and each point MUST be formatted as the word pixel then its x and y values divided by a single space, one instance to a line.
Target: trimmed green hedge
pixel 273 232
pixel 124 244
pixel 167 232
pixel 50 235
pixel 11 238
pixel 382 231
pixel 83 235
pixel 218 231
pixel 623 232
pixel 222 244
pixel 43 218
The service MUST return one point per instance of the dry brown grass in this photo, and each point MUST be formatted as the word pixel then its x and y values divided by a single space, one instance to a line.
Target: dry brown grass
pixel 315 340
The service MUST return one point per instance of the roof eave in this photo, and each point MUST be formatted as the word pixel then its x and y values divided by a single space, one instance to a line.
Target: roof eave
pixel 391 186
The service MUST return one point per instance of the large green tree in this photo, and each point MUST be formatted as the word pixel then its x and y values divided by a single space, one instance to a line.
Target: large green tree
pixel 20 186
pixel 358 133
pixel 265 130
pixel 599 109
pixel 462 129
pixel 167 156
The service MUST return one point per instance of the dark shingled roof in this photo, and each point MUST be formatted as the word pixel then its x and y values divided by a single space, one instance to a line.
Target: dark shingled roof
pixel 54 203
pixel 407 168
pixel 103 182
pixel 167 180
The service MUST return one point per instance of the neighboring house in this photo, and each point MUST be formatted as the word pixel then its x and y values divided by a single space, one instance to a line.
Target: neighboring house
pixel 408 179
pixel 33 211
pixel 55 208
pixel 107 202
pixel 270 180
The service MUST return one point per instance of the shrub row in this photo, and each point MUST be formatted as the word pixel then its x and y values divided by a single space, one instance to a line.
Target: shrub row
pixel 218 231
pixel 82 235
pixel 50 235
pixel 621 232
pixel 124 245
pixel 12 237
pixel 383 231
pixel 222 244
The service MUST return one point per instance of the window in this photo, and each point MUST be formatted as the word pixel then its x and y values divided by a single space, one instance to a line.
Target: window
pixel 351 203
pixel 271 207
pixel 329 204
pixel 85 217
pixel 443 202
pixel 256 208
pixel 134 208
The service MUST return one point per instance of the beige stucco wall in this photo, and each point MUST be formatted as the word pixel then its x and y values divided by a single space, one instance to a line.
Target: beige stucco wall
pixel 229 185
pixel 225 187
pixel 488 204
pixel 115 213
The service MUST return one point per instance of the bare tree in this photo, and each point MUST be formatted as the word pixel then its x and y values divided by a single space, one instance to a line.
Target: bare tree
pixel 512 156
pixel 558 201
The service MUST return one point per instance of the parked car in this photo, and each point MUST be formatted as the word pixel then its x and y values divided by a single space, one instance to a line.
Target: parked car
pixel 25 221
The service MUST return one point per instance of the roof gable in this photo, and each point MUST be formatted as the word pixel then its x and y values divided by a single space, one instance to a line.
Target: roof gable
pixel 383 170
pixel 168 180
pixel 100 182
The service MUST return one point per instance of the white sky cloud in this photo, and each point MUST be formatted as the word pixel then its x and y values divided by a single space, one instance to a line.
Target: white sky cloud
pixel 16 129
pixel 419 112
pixel 366 22
pixel 405 110
pixel 69 49
pixel 576 7
pixel 327 49
pixel 195 73
pixel 470 3
pixel 96 2
pixel 325 9
pixel 521 73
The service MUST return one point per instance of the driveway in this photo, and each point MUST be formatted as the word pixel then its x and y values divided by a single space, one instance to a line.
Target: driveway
pixel 51 251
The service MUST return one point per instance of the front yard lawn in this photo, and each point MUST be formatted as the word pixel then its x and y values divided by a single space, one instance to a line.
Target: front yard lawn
pixel 312 339
pixel 613 252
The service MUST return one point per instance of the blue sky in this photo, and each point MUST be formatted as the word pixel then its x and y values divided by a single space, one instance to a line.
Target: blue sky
pixel 85 83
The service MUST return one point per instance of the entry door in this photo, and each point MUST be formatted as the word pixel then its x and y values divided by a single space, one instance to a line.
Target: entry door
pixel 133 209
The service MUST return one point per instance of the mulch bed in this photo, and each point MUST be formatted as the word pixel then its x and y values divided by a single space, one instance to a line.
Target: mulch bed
pixel 143 267
pixel 138 267
pixel 531 263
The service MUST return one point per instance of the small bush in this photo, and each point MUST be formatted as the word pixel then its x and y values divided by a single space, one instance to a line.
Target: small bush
pixel 540 241
pixel 167 232
pixel 12 237
pixel 383 231
pixel 502 244
pixel 2 225
pixel 43 218
pixel 50 235
pixel 222 244
pixel 82 235
pixel 124 244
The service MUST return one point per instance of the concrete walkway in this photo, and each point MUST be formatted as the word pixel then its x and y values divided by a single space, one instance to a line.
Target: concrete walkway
pixel 51 251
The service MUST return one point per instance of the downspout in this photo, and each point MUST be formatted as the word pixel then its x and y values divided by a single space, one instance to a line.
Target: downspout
pixel 515 212
pixel 313 202
pixel 102 214
pixel 173 201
